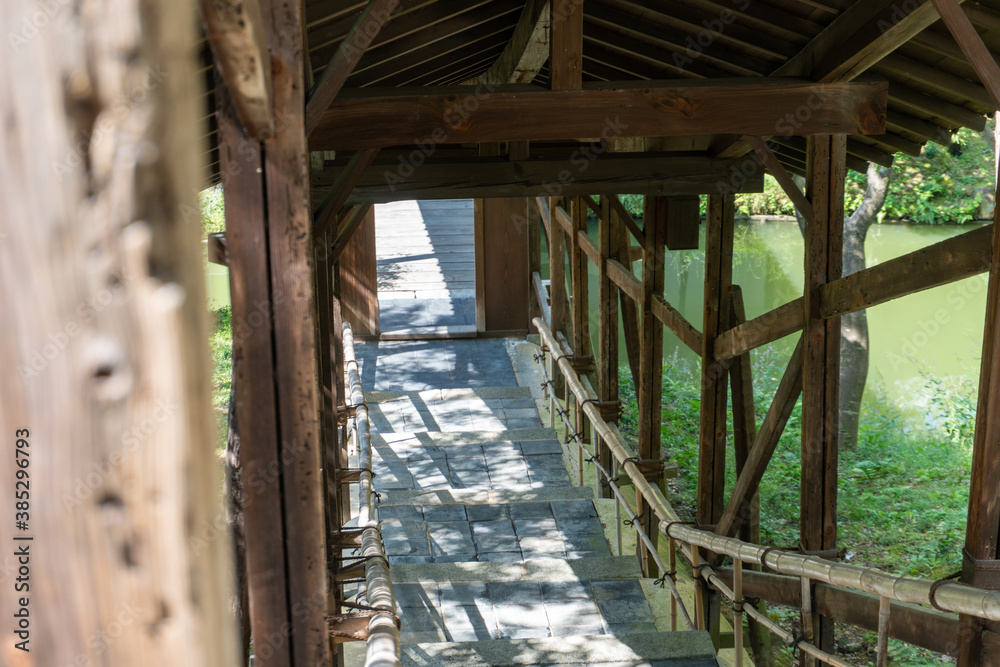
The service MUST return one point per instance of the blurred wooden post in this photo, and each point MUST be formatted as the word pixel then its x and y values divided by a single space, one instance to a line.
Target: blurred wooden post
pixel 712 450
pixel 649 385
pixel 557 285
pixel 824 242
pixel 982 536
pixel 105 397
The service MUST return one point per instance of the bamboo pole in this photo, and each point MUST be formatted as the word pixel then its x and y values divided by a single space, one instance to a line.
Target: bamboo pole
pixel 383 633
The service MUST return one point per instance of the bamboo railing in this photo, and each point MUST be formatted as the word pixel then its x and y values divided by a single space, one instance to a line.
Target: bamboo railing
pixel 383 631
pixel 950 596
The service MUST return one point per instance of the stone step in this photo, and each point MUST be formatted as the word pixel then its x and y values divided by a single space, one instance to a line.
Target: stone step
pixel 483 497
pixel 430 395
pixel 537 570
pixel 445 438
pixel 675 649
pixel 431 332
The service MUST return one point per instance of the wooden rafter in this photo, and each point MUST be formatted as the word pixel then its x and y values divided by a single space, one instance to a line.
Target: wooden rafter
pixel 341 190
pixel 235 30
pixel 373 118
pixel 346 58
pixel 972 45
pixel 527 50
pixel 859 38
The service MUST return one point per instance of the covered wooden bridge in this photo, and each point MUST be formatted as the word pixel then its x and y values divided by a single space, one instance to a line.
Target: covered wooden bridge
pixel 308 113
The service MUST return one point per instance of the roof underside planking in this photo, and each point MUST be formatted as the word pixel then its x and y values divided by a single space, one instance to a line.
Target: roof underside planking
pixel 932 89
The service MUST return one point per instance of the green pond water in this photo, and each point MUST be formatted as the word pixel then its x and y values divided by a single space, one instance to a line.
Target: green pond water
pixel 935 332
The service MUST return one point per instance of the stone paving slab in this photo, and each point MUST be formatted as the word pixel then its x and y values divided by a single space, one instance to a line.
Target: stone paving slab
pixel 439 438
pixel 480 497
pixel 542 570
pixel 679 649
pixel 423 365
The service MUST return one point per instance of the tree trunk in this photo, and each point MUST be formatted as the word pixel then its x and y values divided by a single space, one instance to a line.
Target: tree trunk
pixel 854 352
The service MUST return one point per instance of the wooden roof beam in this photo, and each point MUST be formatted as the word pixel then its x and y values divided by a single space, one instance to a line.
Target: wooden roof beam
pixel 447 178
pixel 859 38
pixel 344 60
pixel 566 44
pixel 236 33
pixel 373 118
pixel 527 50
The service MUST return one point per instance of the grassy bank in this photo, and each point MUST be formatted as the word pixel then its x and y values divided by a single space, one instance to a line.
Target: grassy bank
pixel 903 495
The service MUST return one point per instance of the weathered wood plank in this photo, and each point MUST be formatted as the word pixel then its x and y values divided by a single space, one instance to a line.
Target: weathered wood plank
pixel 346 58
pixel 235 30
pixel 683 220
pixel 506 272
pixel 105 399
pixel 374 118
pixel 627 220
pixel 347 229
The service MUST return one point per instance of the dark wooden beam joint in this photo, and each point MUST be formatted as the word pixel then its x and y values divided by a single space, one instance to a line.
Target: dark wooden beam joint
pixel 218 253
pixel 347 538
pixel 348 627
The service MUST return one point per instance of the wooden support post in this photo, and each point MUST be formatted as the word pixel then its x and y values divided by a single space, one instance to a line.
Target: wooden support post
pixel 557 284
pixel 712 450
pixel 630 309
pixel 566 44
pixel 340 390
pixel 534 257
pixel 109 438
pixel 821 357
pixel 982 535
pixel 581 284
pixel 744 435
pixel 607 356
pixel 649 385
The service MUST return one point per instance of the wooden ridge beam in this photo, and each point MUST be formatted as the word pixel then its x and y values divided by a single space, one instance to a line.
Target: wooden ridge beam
pixel 673 320
pixel 235 30
pixel 372 118
pixel 528 48
pixel 345 59
pixel 485 177
pixel 343 185
pixel 764 443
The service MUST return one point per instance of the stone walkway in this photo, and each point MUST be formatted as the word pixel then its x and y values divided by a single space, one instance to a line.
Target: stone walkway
pixel 496 559
pixel 426 267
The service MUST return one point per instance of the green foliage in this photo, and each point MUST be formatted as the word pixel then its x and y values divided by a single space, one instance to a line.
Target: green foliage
pixel 772 201
pixel 903 496
pixel 213 216
pixel 220 343
pixel 945 184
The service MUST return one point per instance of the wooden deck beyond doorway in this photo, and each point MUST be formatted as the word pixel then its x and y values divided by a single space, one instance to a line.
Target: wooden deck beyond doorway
pixel 426 269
